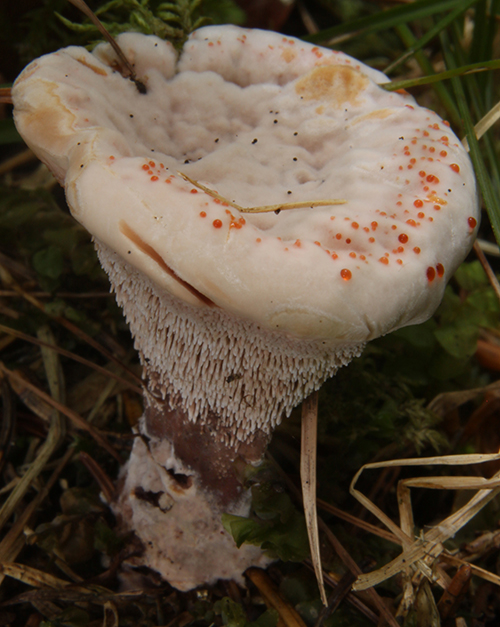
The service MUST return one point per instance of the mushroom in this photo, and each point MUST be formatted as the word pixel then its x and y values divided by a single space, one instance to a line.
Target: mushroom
pixel 263 208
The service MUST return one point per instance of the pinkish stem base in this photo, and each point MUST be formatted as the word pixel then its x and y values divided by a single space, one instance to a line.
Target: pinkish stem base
pixel 178 481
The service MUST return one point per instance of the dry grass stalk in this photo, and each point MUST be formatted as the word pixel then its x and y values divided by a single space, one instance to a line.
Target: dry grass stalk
pixel 14 540
pixel 76 419
pixel 356 570
pixel 354 520
pixel 264 208
pixel 7 279
pixel 32 576
pixel 61 351
pixel 420 553
pixel 487 268
pixel 55 434
pixel 308 479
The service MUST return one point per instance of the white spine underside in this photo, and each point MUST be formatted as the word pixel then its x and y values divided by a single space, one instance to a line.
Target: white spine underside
pixel 207 360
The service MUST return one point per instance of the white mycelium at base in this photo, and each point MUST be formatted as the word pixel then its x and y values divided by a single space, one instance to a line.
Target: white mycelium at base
pixel 207 360
pixel 181 532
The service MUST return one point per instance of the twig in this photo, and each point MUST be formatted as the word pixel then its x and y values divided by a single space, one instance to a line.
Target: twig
pixel 86 10
pixel 273 598
pixel 5 95
pixel 340 591
pixel 8 420
pixel 356 570
pixel 20 159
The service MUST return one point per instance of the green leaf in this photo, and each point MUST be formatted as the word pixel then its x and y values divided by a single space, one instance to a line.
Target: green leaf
pixel 232 614
pixel 420 336
pixel 458 340
pixel 105 539
pixel 268 619
pixel 242 529
pixel 49 262
pixel 83 259
pixel 485 300
pixel 277 527
pixel 310 611
pixel 66 238
pixel 269 504
pixel 14 215
pixel 223 12
pixel 289 542
pixel 445 367
pixel 470 276
pixel 449 308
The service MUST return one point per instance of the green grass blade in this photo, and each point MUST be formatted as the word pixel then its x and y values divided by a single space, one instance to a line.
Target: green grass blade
pixel 491 200
pixel 441 76
pixel 441 90
pixel 478 96
pixel 432 33
pixel 482 46
pixel 387 19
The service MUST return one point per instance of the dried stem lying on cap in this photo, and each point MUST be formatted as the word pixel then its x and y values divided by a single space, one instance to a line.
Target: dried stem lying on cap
pixel 305 204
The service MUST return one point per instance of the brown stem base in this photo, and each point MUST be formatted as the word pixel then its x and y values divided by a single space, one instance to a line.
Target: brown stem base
pixel 201 447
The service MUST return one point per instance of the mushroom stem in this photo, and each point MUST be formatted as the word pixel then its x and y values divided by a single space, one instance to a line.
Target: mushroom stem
pixel 217 386
pixel 200 446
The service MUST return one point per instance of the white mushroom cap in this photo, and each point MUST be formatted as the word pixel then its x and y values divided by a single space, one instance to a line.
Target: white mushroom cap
pixel 261 119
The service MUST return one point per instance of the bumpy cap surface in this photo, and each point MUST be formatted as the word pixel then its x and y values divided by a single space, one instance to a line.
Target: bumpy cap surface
pixel 262 119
